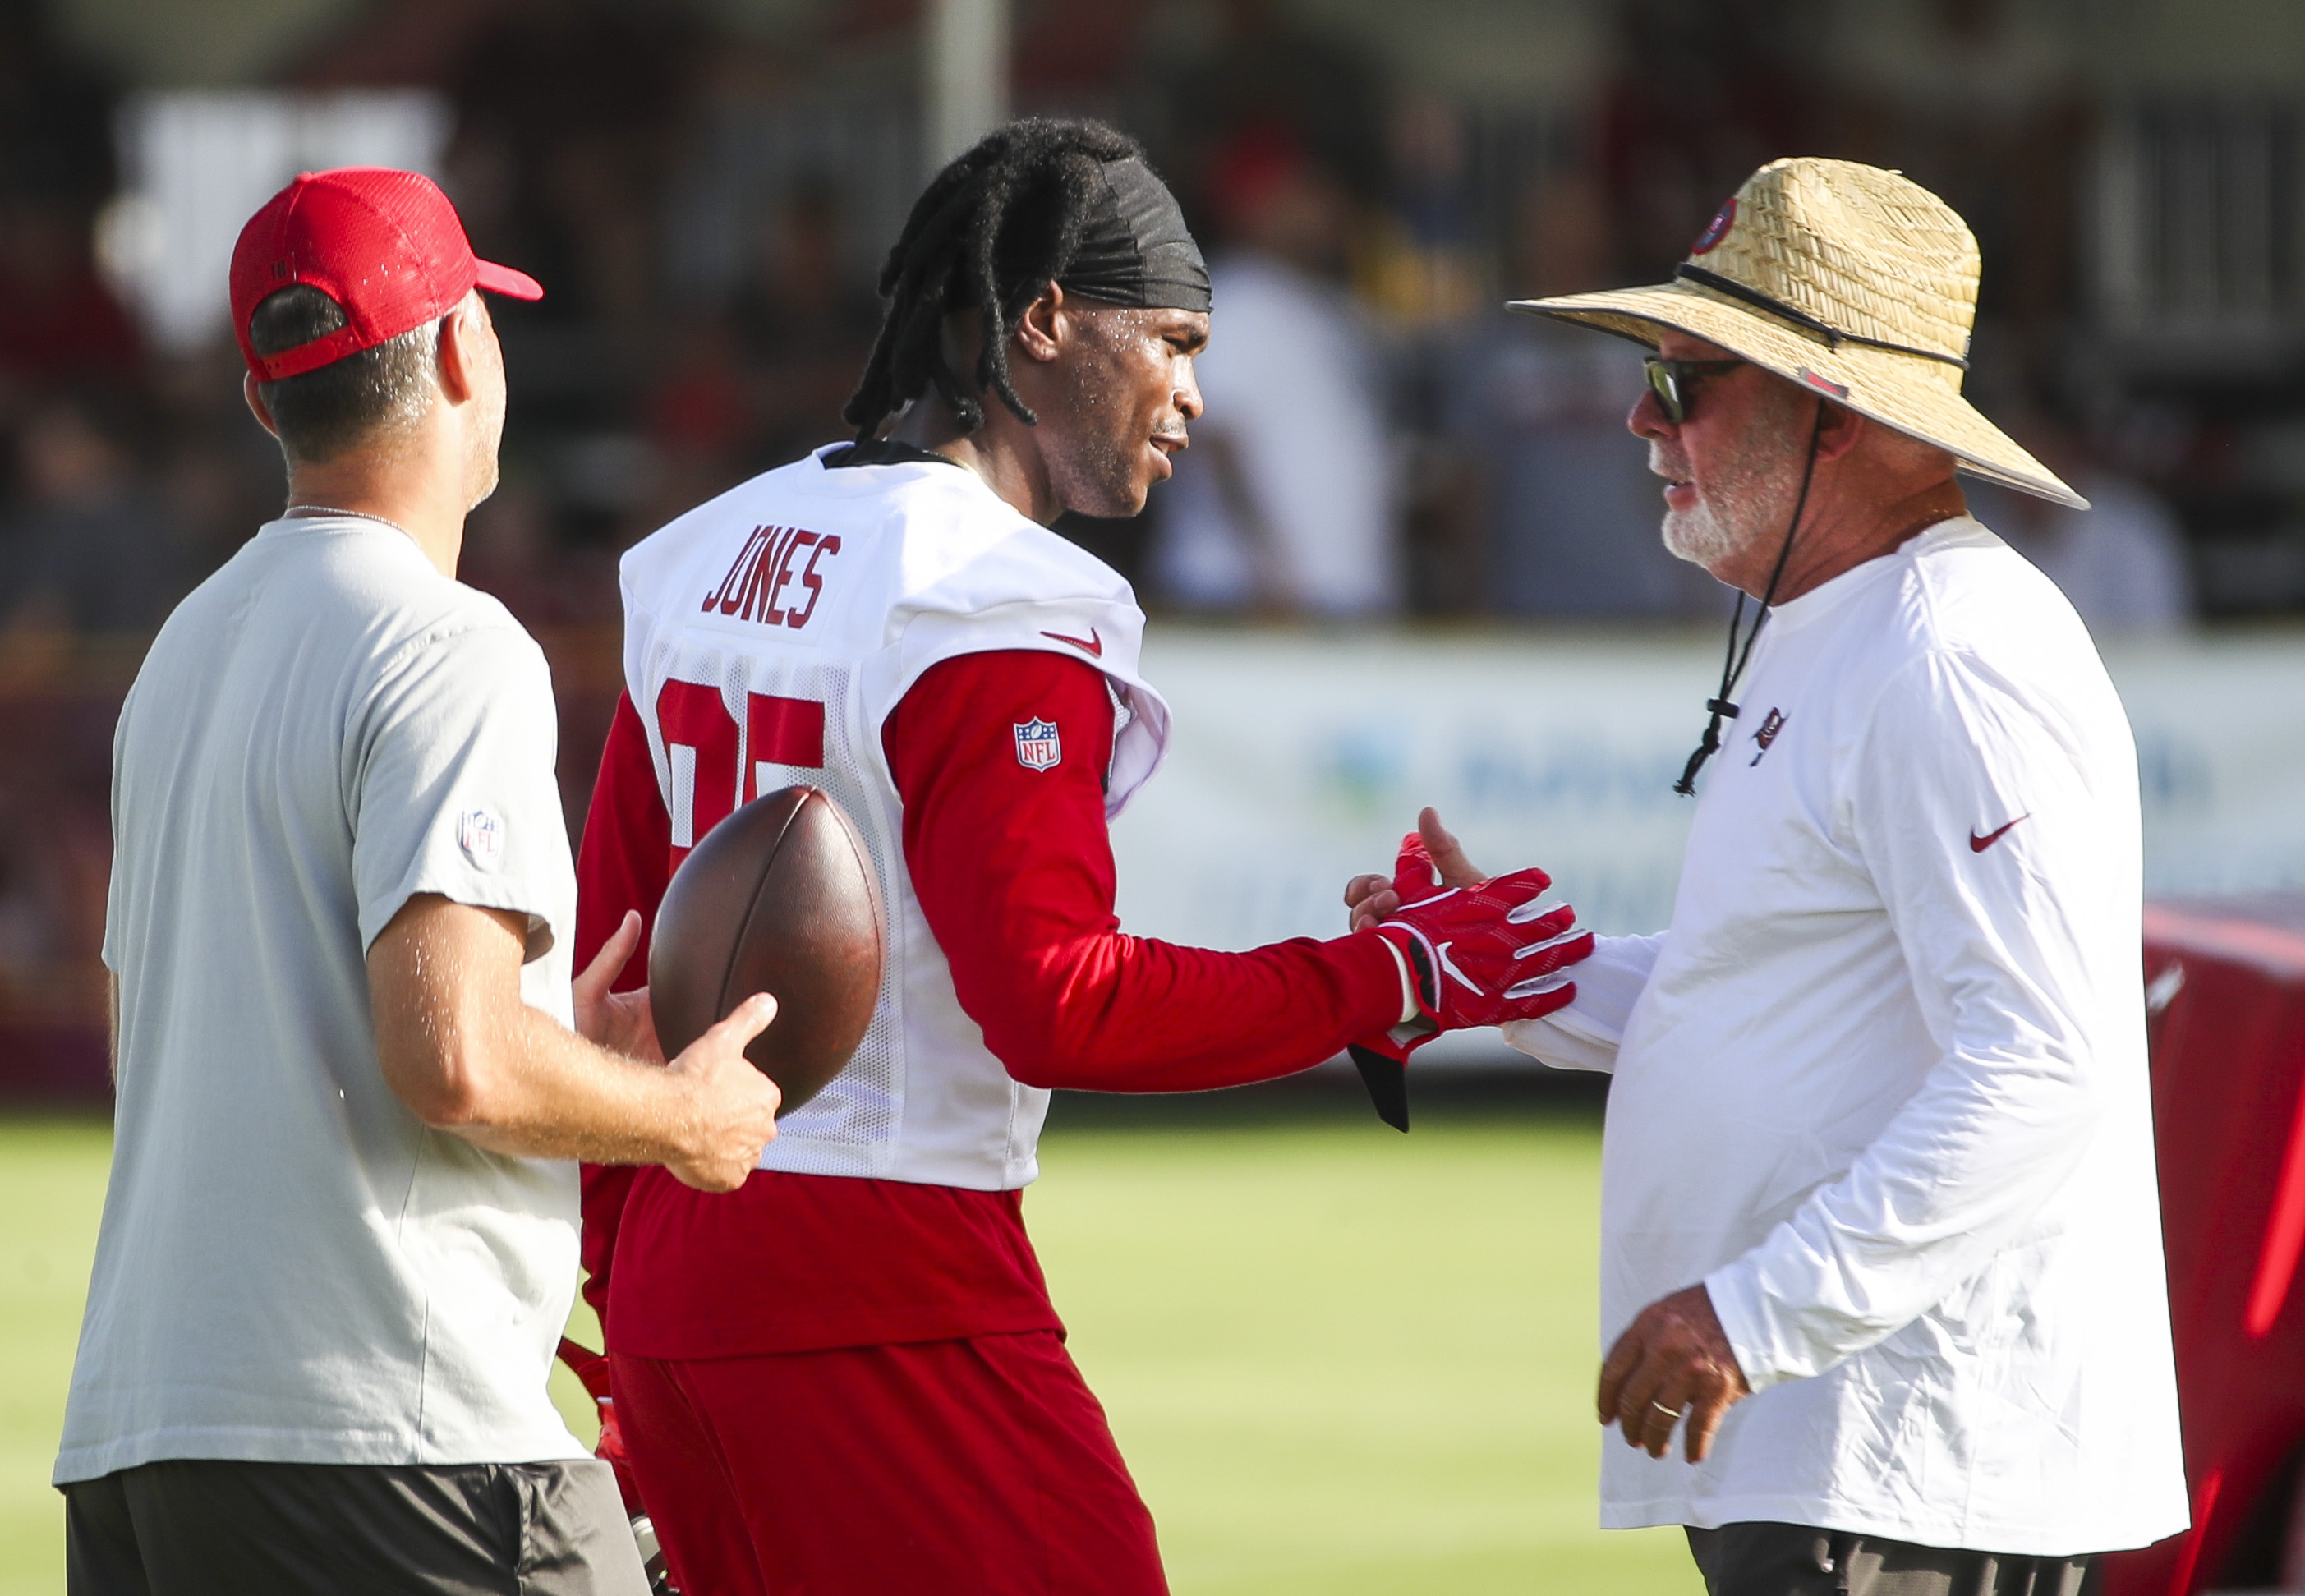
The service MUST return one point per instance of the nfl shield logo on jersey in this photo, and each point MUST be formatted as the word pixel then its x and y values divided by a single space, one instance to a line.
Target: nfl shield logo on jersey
pixel 481 834
pixel 1037 748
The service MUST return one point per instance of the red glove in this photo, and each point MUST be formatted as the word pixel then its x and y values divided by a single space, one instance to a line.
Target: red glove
pixel 1484 955
pixel 611 1451
pixel 591 1368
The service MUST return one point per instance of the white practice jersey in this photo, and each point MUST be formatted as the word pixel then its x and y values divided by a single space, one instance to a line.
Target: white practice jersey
pixel 768 633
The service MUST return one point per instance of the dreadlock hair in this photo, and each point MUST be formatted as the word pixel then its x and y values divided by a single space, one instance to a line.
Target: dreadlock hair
pixel 989 234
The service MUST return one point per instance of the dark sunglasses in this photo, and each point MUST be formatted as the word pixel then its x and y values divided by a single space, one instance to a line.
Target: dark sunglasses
pixel 1673 382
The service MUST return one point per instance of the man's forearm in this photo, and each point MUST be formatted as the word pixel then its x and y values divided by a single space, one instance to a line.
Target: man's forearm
pixel 457 1044
pixel 461 1049
pixel 1584 1035
pixel 1967 1162
pixel 1122 1014
pixel 544 1092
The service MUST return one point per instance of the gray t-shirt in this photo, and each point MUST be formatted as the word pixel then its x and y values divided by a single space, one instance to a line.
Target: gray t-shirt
pixel 292 1267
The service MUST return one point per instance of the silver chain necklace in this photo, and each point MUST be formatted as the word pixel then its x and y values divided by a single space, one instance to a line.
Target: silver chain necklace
pixel 296 511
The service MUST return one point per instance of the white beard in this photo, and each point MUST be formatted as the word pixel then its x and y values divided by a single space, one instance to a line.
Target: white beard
pixel 1733 515
pixel 1703 537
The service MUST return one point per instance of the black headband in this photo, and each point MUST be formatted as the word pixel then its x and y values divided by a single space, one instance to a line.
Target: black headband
pixel 1134 249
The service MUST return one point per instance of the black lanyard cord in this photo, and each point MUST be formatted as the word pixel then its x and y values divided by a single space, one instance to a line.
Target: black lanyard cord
pixel 1733 667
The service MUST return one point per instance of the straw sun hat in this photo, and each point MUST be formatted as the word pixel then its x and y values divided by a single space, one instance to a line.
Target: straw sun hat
pixel 1852 282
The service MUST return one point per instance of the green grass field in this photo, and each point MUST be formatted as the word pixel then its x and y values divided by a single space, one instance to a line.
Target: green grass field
pixel 51 1196
pixel 1339 1360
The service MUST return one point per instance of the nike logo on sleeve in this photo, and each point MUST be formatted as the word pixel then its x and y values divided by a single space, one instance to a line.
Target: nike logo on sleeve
pixel 1977 844
pixel 1092 645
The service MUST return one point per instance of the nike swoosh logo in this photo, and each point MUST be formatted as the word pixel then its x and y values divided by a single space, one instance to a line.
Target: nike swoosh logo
pixel 1977 844
pixel 1449 964
pixel 1092 645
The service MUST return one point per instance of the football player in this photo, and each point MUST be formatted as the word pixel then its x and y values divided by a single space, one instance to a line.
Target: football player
pixel 848 1377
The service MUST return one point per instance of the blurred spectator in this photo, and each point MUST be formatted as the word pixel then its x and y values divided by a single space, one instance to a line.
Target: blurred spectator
pixel 511 553
pixel 1700 93
pixel 1228 67
pixel 1982 107
pixel 58 321
pixel 697 415
pixel 89 550
pixel 26 934
pixel 1285 502
pixel 1538 409
pixel 218 473
pixel 579 103
pixel 1418 261
pixel 2121 561
pixel 55 850
pixel 1065 52
pixel 806 321
pixel 568 116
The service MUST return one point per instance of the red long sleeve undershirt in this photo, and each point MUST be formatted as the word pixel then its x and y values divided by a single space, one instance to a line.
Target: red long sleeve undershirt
pixel 1013 867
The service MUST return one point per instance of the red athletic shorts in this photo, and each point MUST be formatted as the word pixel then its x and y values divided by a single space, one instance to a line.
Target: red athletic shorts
pixel 975 1467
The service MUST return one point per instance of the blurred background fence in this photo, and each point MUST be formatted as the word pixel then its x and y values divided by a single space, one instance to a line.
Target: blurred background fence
pixel 1404 508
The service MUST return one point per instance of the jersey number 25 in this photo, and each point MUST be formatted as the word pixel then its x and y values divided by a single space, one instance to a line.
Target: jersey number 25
pixel 701 745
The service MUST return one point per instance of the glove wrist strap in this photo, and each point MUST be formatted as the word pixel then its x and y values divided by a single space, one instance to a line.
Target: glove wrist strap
pixel 1424 983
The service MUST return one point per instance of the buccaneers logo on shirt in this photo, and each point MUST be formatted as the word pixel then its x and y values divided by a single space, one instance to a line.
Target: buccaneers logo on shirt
pixel 1767 734
pixel 1037 748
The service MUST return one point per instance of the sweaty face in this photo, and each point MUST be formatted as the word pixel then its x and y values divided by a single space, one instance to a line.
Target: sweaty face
pixel 1126 379
pixel 1732 468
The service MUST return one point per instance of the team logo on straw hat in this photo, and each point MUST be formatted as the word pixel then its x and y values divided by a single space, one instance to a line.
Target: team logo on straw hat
pixel 1716 229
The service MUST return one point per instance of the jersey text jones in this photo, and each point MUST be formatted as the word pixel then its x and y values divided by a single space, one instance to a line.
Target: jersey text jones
pixel 759 585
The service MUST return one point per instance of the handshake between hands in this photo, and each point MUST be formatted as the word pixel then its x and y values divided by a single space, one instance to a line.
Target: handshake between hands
pixel 1495 952
pixel 1483 951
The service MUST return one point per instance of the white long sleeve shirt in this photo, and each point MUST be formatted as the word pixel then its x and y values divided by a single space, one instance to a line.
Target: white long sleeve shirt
pixel 1882 1085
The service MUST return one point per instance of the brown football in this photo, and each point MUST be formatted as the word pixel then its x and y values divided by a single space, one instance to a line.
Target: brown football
pixel 779 898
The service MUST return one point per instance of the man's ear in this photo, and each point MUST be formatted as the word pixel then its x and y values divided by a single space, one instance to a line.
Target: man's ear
pixel 1045 327
pixel 459 356
pixel 256 408
pixel 1838 430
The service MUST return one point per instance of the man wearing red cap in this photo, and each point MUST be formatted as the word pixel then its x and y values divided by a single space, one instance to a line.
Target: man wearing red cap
pixel 340 1235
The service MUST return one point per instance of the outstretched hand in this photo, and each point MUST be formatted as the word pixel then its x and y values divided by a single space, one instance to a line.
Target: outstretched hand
pixel 621 1022
pixel 1374 898
pixel 1482 950
pixel 1674 1361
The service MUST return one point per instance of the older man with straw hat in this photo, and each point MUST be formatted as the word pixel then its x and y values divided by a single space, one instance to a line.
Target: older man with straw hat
pixel 1880 1232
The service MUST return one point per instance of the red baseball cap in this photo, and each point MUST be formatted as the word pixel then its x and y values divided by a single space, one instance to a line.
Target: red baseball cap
pixel 385 245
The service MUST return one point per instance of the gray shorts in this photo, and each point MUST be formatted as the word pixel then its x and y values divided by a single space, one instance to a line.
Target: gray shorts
pixel 1786 1559
pixel 198 1527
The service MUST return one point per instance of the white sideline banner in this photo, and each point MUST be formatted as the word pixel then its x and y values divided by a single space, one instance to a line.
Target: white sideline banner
pixel 1299 760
